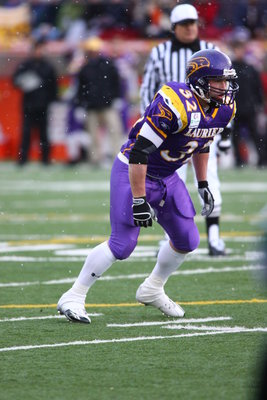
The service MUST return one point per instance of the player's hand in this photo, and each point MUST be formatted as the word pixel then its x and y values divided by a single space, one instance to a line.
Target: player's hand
pixel 143 213
pixel 206 195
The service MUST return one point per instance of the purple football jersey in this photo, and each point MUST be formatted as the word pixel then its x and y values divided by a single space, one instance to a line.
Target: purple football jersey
pixel 178 126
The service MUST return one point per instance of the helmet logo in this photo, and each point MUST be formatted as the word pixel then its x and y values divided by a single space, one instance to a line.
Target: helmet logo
pixel 197 63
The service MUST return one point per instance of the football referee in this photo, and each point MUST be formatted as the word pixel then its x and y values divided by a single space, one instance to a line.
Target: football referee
pixel 167 62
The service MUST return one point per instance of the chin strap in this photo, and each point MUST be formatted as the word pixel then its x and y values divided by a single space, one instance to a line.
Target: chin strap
pixel 200 93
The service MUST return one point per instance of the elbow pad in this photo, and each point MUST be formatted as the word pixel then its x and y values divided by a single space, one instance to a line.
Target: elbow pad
pixel 140 151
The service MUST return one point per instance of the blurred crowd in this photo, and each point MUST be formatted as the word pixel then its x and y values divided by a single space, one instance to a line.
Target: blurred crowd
pixel 91 35
pixel 139 18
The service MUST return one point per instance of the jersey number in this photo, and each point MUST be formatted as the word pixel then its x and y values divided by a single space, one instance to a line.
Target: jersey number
pixel 190 105
pixel 189 149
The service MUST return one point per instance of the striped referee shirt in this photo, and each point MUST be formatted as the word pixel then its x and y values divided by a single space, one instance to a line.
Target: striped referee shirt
pixel 167 62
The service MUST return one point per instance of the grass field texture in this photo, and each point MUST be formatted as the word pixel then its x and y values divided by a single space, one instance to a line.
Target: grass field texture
pixel 49 219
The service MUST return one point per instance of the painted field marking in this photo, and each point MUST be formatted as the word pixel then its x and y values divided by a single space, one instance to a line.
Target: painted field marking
pixel 142 238
pixel 41 238
pixel 142 256
pixel 141 253
pixel 124 340
pixel 189 272
pixel 5 248
pixel 54 218
pixel 206 328
pixel 155 323
pixel 151 251
pixel 110 305
pixel 43 216
pixel 57 187
pixel 104 186
pixel 18 319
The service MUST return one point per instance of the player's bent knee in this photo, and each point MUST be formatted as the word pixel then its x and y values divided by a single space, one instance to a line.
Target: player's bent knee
pixel 193 243
pixel 122 250
pixel 191 246
pixel 190 241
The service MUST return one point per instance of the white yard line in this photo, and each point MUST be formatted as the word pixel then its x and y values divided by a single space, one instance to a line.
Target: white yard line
pixel 52 186
pixel 154 323
pixel 43 216
pixel 40 259
pixel 198 271
pixel 18 319
pixel 125 340
pixel 149 253
pixel 140 257
pixel 230 329
pixel 103 186
pixel 5 248
pixel 34 283
pixel 14 237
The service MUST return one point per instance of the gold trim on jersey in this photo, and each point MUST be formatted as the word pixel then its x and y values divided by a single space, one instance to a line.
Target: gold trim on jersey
pixel 213 115
pixel 234 111
pixel 201 109
pixel 128 148
pixel 157 129
pixel 215 112
pixel 177 103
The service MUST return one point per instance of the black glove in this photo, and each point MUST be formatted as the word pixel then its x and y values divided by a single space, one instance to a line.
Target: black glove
pixel 206 195
pixel 143 213
pixel 224 144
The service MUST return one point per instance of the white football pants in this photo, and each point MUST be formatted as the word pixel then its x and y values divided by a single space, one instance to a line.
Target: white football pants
pixel 212 177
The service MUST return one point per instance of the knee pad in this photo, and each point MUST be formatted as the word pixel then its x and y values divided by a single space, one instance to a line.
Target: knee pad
pixel 187 241
pixel 122 249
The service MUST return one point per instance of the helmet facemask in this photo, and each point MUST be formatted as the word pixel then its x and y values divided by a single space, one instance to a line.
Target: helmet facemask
pixel 218 97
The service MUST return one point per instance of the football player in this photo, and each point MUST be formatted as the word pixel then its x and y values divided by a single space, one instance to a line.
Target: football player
pixel 167 62
pixel 179 124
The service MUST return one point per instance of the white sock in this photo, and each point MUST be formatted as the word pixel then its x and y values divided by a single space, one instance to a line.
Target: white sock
pixel 213 233
pixel 167 237
pixel 168 261
pixel 97 262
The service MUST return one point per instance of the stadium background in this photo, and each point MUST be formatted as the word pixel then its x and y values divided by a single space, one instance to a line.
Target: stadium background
pixel 50 219
pixel 129 30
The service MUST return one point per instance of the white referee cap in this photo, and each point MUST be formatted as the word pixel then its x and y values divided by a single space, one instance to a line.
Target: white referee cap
pixel 182 13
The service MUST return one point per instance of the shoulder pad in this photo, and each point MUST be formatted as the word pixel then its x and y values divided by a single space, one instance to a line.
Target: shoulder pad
pixel 173 100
